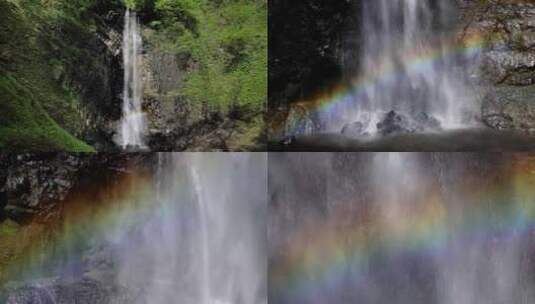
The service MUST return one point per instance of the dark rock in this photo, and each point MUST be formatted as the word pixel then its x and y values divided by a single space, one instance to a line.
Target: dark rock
pixel 395 123
pixel 37 184
pixel 311 40
pixel 398 123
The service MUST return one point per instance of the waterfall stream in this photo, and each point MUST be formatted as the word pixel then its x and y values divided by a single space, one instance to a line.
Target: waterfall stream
pixel 132 125
pixel 414 227
pixel 204 284
pixel 409 64
pixel 201 242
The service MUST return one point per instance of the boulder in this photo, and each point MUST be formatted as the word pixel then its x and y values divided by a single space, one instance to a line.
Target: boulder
pixel 395 123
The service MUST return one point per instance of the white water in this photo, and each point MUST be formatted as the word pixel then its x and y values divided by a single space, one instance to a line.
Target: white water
pixel 132 126
pixel 397 36
pixel 480 271
pixel 202 241
pixel 204 283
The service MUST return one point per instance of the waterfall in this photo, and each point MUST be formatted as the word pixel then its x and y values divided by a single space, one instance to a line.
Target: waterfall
pixel 475 271
pixel 442 228
pixel 201 242
pixel 132 127
pixel 410 64
pixel 204 284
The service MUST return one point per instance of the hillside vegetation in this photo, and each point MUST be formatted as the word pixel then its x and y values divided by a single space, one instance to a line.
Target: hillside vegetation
pixel 56 84
pixel 37 109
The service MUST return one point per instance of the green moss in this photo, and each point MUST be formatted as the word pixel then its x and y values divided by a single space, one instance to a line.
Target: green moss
pixel 27 126
pixel 227 43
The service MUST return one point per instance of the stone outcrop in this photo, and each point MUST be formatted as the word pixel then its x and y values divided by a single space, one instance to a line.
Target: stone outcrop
pixel 37 184
pixel 507 60
pixel 175 123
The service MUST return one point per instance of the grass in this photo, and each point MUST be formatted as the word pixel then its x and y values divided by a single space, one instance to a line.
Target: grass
pixel 39 109
pixel 27 126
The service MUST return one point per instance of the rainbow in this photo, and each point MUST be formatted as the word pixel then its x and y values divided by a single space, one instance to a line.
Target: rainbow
pixel 319 254
pixel 90 215
pixel 344 94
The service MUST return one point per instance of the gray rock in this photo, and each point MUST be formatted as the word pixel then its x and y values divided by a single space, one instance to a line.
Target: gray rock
pixel 81 291
pixel 425 122
pixel 395 123
pixel 509 67
pixel 510 107
pixel 354 129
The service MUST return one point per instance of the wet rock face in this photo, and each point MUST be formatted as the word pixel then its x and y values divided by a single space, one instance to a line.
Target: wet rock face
pixel 36 184
pixel 83 291
pixel 509 67
pixel 394 123
pixel 307 46
pixel 507 63
pixel 97 75
pixel 510 107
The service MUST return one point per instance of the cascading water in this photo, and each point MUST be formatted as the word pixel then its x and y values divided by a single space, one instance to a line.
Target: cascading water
pixel 204 249
pixel 132 126
pixel 202 242
pixel 414 227
pixel 408 65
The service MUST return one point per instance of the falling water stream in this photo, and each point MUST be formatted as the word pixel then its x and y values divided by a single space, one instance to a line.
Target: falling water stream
pixel 407 65
pixel 202 242
pixel 132 125
pixel 205 278
pixel 403 227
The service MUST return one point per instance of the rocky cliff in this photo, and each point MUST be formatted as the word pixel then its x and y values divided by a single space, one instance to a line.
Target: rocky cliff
pixel 507 63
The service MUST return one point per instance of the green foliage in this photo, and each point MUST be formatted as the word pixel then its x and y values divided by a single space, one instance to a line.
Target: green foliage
pixel 221 46
pixel 37 103
pixel 27 126
pixel 227 43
